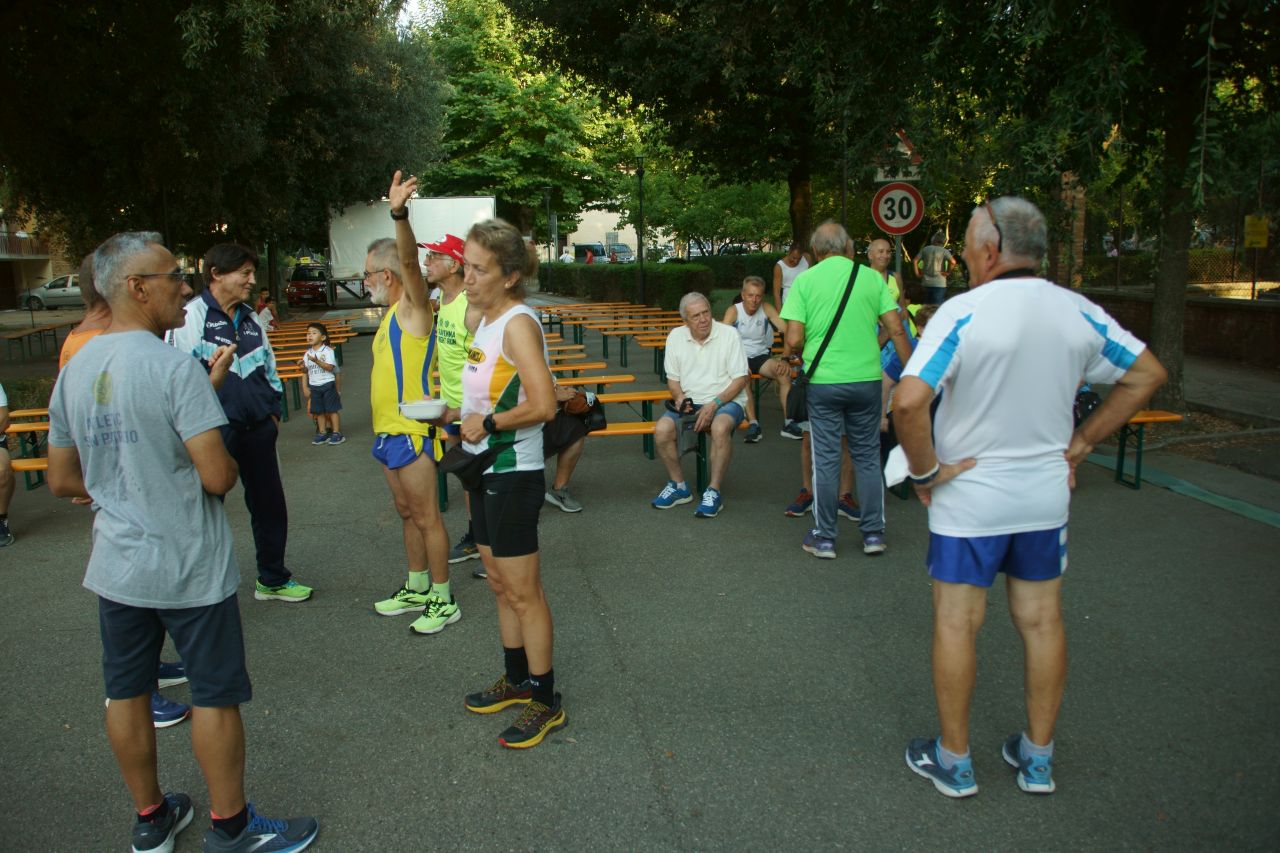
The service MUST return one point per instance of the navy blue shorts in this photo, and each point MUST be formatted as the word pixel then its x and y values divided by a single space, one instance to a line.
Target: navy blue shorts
pixel 453 430
pixel 325 399
pixel 397 451
pixel 208 639
pixel 504 512
pixel 1037 555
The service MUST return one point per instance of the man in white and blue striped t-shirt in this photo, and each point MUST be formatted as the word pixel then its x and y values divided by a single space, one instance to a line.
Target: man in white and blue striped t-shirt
pixel 997 469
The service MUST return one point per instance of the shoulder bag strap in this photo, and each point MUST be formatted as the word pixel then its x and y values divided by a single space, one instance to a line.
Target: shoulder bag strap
pixel 810 369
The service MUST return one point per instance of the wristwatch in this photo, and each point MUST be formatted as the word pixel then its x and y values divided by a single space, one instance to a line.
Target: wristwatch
pixel 402 215
pixel 488 424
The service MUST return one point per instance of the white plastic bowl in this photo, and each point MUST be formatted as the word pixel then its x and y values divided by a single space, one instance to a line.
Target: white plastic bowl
pixel 423 410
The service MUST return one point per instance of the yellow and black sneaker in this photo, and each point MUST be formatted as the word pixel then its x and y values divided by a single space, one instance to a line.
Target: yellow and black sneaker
pixel 502 694
pixel 533 724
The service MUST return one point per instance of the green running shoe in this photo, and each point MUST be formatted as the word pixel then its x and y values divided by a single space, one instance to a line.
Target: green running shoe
pixel 404 600
pixel 439 613
pixel 292 592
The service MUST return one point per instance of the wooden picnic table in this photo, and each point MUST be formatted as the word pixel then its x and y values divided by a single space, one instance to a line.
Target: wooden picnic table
pixel 599 381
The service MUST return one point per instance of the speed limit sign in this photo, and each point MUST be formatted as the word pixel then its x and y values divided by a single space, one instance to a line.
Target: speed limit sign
pixel 897 208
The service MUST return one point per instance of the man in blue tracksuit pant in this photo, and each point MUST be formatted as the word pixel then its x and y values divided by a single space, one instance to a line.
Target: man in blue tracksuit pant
pixel 250 397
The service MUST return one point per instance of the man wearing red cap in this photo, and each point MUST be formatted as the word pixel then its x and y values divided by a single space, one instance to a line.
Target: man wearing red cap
pixel 456 323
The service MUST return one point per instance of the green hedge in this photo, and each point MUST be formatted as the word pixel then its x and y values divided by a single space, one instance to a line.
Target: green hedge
pixel 1135 270
pixel 730 270
pixel 664 283
pixel 29 393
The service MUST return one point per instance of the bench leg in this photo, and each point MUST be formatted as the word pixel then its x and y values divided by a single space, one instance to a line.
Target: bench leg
pixel 646 412
pixel 702 464
pixel 442 486
pixel 604 343
pixel 1139 434
pixel 622 346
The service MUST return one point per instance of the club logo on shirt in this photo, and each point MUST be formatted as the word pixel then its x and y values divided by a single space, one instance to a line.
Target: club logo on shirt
pixel 102 389
pixel 215 324
pixel 475 355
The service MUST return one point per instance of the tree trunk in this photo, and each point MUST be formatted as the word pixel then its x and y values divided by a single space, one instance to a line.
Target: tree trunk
pixel 801 204
pixel 1168 307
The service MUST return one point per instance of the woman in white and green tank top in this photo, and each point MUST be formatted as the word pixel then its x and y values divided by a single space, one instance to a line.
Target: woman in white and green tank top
pixel 507 395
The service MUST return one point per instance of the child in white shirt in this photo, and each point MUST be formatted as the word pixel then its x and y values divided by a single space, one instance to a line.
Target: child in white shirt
pixel 320 364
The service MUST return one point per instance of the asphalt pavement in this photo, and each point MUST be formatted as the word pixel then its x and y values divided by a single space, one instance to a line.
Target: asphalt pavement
pixel 724 690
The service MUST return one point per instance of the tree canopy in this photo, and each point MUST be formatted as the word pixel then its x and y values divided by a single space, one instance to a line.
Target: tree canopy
pixel 211 119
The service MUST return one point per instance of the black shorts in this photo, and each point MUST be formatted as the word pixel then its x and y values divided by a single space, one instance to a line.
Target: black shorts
pixel 208 639
pixel 755 362
pixel 324 399
pixel 561 431
pixel 504 512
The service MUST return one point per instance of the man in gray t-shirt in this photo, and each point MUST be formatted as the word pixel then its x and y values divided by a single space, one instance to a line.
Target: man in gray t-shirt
pixel 134 425
pixel 933 265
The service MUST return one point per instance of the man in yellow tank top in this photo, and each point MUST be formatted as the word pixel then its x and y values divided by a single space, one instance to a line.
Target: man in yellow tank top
pixel 456 323
pixel 404 356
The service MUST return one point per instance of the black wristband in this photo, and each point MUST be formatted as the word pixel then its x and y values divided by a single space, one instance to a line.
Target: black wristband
pixel 489 425
pixel 925 479
pixel 402 215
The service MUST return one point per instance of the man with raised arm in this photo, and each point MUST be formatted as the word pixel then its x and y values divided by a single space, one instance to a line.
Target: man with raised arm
pixel 404 357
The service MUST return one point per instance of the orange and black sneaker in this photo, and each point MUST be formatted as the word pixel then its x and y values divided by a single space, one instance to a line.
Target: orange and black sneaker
pixel 534 723
pixel 502 694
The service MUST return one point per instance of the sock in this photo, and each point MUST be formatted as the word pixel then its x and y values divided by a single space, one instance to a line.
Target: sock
pixel 154 813
pixel 544 687
pixel 419 581
pixel 232 826
pixel 753 422
pixel 683 484
pixel 442 590
pixel 517 665
pixel 1030 748
pixel 948 758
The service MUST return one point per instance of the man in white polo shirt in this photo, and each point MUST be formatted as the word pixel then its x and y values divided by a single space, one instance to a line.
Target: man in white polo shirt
pixel 996 469
pixel 707 374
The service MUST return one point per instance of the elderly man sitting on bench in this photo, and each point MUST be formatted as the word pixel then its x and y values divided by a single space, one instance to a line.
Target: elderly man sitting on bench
pixel 706 370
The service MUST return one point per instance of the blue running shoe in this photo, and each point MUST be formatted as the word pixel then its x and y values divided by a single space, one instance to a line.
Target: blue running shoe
pixel 158 836
pixel 873 543
pixel 802 504
pixel 264 835
pixel 171 674
pixel 1035 773
pixel 165 712
pixel 956 781
pixel 710 505
pixel 848 508
pixel 819 546
pixel 319 439
pixel 671 495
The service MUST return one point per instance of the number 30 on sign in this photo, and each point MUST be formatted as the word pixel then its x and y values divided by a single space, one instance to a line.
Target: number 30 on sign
pixel 897 208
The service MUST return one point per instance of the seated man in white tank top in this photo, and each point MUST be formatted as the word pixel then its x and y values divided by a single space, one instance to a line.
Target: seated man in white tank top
pixel 756 321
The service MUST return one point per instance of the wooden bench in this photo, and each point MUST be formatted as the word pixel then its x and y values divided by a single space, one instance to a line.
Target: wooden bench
pixel 646 430
pixel 598 380
pixel 1136 428
pixel 32 468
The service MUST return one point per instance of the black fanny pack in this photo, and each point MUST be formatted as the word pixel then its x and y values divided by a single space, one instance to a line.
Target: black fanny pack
pixel 468 467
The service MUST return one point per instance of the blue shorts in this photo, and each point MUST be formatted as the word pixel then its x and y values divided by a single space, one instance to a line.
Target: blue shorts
pixel 1037 555
pixel 397 451
pixel 325 399
pixel 208 639
pixel 731 409
pixel 453 430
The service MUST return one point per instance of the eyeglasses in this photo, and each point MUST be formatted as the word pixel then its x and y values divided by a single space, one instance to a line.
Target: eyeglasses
pixel 986 205
pixel 372 273
pixel 176 275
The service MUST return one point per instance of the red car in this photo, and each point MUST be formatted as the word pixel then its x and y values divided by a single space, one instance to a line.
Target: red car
pixel 308 285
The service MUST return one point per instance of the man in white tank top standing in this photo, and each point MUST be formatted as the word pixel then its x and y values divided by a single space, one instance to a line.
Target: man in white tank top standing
pixel 756 321
pixel 786 270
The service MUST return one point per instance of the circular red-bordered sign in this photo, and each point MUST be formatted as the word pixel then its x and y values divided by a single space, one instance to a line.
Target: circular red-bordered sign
pixel 898 208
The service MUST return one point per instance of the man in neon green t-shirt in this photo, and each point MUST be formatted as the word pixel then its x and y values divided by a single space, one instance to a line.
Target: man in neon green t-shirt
pixel 844 391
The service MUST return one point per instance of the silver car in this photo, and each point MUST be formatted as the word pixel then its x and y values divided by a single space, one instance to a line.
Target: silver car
pixel 63 291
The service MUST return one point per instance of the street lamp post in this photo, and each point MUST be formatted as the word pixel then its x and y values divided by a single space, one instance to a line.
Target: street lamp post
pixel 640 227
pixel 546 198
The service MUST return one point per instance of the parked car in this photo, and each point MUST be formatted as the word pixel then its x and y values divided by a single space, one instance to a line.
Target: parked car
pixel 308 285
pixel 598 254
pixel 623 252
pixel 61 292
